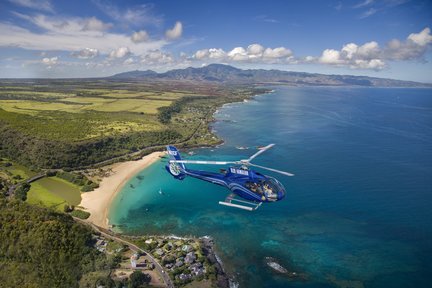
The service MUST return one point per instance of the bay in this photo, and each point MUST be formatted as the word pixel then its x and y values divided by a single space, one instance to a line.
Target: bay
pixel 357 213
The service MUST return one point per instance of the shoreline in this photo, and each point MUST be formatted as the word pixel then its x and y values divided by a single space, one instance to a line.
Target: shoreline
pixel 98 201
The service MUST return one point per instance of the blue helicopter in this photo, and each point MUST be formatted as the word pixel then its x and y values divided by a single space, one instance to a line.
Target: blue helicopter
pixel 254 187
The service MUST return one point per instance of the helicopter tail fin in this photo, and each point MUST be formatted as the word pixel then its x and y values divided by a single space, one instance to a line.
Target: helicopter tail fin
pixel 175 169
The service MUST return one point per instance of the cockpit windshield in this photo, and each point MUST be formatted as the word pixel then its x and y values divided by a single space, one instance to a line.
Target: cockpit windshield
pixel 269 189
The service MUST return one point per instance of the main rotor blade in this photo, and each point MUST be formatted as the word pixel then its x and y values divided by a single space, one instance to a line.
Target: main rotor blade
pixel 262 150
pixel 271 169
pixel 202 162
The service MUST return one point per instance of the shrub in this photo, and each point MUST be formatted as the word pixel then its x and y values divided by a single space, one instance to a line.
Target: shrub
pixel 80 214
pixel 21 191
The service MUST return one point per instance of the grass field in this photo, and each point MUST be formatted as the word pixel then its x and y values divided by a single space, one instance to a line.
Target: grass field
pixel 128 105
pixel 77 105
pixel 53 192
pixel 14 172
pixel 39 195
pixel 63 126
pixel 71 111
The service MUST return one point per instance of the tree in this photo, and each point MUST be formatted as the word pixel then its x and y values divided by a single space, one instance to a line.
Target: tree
pixel 68 208
pixel 21 191
pixel 138 279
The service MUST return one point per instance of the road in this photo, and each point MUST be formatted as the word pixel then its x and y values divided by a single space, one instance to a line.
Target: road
pixel 109 234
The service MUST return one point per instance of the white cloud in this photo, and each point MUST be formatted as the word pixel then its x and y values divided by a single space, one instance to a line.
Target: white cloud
pixel 119 53
pixel 69 34
pixel 140 36
pixel 414 47
pixel 364 3
pixel 129 61
pixel 276 53
pixel 94 24
pixel 68 26
pixel 156 57
pixel 374 64
pixel 254 53
pixel 368 50
pixel 255 50
pixel 371 56
pixel 367 13
pixel 50 61
pixel 43 5
pixel 86 53
pixel 330 56
pixel 215 53
pixel 212 53
pixel 136 16
pixel 354 56
pixel 238 54
pixel 201 54
pixel 175 32
pixel 422 38
pixel 310 59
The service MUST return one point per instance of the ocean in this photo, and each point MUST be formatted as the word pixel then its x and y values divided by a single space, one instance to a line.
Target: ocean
pixel 358 213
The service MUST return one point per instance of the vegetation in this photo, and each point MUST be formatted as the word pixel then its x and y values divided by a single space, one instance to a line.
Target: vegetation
pixel 78 179
pixel 166 112
pixel 71 124
pixel 39 195
pixel 42 248
pixel 12 173
pixel 54 192
pixel 80 214
pixel 21 191
pixel 138 279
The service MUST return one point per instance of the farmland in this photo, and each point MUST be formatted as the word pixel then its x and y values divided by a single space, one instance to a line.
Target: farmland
pixel 73 123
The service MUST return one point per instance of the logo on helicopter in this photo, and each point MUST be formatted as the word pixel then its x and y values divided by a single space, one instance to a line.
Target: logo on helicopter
pixel 239 171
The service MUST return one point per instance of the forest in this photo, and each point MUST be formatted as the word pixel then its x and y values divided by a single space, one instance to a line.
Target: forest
pixel 43 248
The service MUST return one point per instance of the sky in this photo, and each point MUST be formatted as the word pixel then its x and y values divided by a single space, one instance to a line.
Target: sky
pixel 96 38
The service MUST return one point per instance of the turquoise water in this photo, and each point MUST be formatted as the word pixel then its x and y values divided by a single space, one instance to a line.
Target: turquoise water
pixel 357 213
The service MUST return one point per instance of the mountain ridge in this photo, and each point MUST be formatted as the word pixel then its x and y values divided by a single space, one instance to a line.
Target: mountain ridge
pixel 221 73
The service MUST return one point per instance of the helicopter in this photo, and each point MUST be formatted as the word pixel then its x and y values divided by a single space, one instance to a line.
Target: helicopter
pixel 251 186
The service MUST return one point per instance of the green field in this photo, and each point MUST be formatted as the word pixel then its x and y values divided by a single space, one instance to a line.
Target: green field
pixel 13 172
pixel 73 105
pixel 22 171
pixel 53 192
pixel 71 113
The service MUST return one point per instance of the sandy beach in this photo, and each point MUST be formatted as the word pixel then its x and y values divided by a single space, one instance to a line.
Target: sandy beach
pixel 98 201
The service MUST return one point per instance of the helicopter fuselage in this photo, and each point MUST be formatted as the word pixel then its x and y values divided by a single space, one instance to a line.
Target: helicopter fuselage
pixel 246 183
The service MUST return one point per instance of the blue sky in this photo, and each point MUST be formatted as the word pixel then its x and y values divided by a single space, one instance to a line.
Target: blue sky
pixel 47 38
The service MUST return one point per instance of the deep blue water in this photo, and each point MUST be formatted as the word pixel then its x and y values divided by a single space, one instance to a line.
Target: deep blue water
pixel 358 213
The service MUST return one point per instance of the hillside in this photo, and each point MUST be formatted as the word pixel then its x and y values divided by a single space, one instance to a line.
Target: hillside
pixel 59 123
pixel 42 248
pixel 230 74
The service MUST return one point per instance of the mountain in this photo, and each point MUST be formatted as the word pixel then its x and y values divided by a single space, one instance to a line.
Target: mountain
pixel 229 74
pixel 135 74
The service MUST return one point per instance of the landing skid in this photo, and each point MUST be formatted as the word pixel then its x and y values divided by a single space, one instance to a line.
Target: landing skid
pixel 247 205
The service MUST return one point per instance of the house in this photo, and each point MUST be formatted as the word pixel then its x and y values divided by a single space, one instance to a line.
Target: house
pixel 197 269
pixel 184 276
pixel 149 241
pixel 159 252
pixel 190 257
